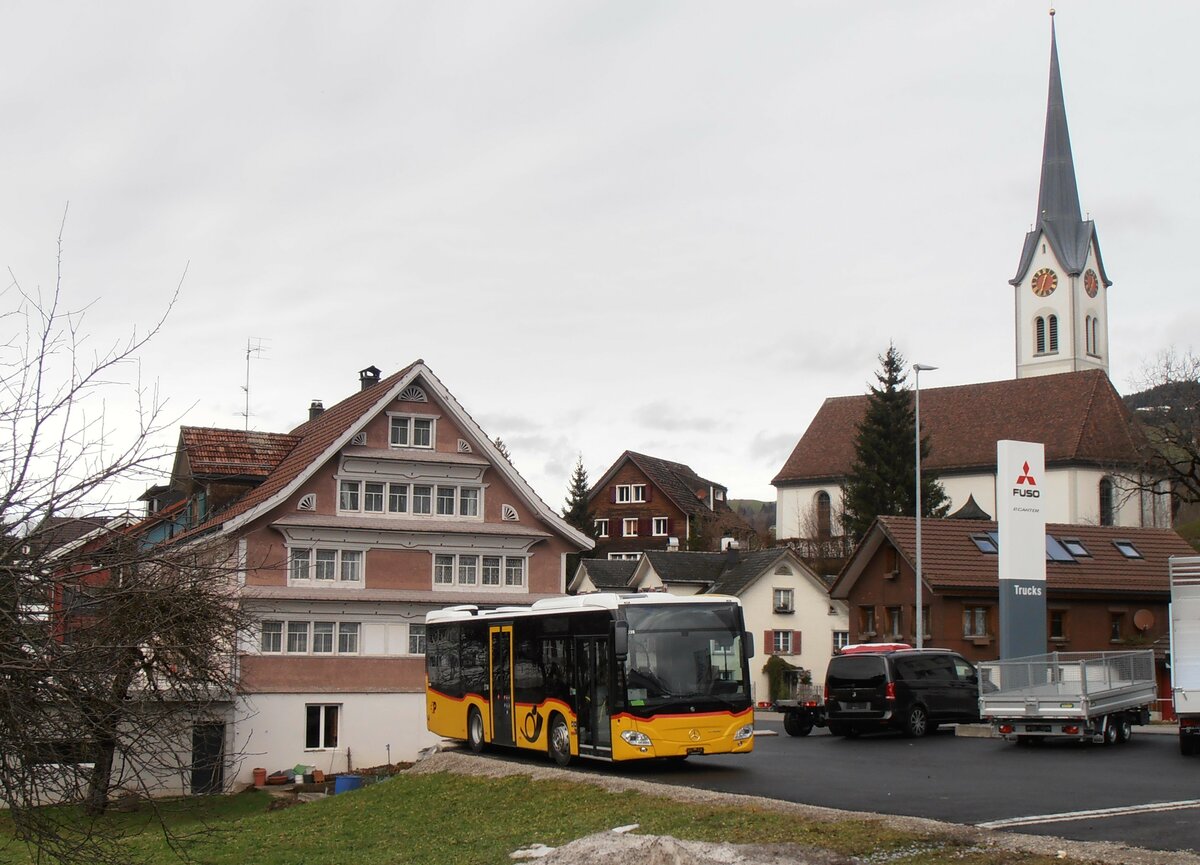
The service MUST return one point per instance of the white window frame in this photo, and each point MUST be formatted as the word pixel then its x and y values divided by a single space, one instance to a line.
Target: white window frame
pixel 625 533
pixel 306 631
pixel 658 527
pixel 624 557
pixel 300 630
pixel 349 638
pixel 277 635
pixel 491 571
pixel 781 642
pixel 624 494
pixel 637 493
pixel 328 635
pixel 416 636
pixel 344 560
pixel 479 571
pixel 511 569
pixel 407 423
pixel 323 714
pixel 841 639
pixel 783 600
pixel 397 492
pixel 601 526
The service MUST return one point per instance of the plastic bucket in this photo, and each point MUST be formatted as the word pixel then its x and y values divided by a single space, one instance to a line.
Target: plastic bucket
pixel 346 783
pixel 260 777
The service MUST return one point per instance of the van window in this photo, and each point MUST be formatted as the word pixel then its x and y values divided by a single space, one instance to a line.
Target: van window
pixel 856 670
pixel 924 668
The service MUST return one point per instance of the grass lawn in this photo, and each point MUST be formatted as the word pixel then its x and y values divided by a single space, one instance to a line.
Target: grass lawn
pixel 447 819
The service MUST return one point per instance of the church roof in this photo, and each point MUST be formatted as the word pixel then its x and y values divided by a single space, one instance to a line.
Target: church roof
pixel 1079 416
pixel 1058 211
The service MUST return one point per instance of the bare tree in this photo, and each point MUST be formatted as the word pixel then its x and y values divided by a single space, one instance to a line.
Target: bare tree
pixel 1168 405
pixel 113 647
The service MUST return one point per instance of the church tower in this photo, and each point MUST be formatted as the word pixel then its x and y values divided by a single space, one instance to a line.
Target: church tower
pixel 1061 288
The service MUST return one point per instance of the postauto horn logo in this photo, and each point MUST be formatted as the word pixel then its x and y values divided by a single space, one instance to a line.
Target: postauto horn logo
pixel 1026 478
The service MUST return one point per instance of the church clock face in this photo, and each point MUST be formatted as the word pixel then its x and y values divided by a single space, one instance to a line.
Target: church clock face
pixel 1091 284
pixel 1044 282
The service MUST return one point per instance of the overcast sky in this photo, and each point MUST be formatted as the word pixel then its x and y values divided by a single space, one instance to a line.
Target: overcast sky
pixel 666 227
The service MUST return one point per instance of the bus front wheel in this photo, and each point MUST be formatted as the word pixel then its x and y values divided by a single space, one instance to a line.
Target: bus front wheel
pixel 559 741
pixel 475 730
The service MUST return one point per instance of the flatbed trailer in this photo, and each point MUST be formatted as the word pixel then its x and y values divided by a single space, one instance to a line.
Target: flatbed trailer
pixel 803 708
pixel 1185 650
pixel 1088 696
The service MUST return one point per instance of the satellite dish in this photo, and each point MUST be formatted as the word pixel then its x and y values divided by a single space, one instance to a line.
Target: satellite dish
pixel 1143 620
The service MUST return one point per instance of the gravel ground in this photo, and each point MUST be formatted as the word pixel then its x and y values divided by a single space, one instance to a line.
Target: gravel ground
pixel 627 849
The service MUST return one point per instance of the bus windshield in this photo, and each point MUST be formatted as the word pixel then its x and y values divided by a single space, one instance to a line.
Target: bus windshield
pixel 682 652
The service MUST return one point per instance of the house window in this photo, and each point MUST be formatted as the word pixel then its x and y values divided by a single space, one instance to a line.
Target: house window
pixel 348 638
pixel 624 557
pixel 660 527
pixel 601 528
pixel 352 566
pixel 398 498
pixel 298 564
pixel 416 639
pixel 422 499
pixel 348 495
pixel 321 726
pixel 924 621
pixel 373 497
pixel 1127 549
pixel 443 570
pixel 629 527
pixel 326 564
pixel 297 637
pixel 445 501
pixel 490 575
pixel 272 637
pixel 638 492
pixel 1095 336
pixel 411 432
pixel 824 518
pixel 1116 627
pixel 783 601
pixel 468 570
pixel 895 621
pixel 841 639
pixel 986 543
pixel 468 502
pixel 514 571
pixel 866 621
pixel 975 621
pixel 1107 502
pixel 623 494
pixel 322 637
pixel 781 642
pixel 1058 624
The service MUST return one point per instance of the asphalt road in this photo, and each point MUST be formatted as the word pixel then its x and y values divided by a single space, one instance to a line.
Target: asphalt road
pixel 968 780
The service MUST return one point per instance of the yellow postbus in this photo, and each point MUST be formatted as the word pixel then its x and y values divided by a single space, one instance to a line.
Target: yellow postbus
pixel 614 677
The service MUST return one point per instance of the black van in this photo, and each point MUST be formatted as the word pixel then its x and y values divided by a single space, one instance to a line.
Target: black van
pixel 912 690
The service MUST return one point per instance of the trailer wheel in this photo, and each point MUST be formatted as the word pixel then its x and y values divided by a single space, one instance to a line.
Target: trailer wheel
pixel 796 724
pixel 1110 730
pixel 1124 730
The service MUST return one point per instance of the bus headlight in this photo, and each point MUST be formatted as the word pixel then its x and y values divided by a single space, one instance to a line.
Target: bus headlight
pixel 633 737
pixel 745 733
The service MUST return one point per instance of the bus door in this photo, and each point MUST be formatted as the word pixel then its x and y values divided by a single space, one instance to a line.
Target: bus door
pixel 593 702
pixel 500 656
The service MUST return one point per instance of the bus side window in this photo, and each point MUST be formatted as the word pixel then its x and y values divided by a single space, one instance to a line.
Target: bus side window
pixel 474 660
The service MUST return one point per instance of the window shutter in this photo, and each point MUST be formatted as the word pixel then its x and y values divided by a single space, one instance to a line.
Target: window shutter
pixel 649 493
pixel 768 642
pixel 612 493
pixel 795 642
pixel 645 526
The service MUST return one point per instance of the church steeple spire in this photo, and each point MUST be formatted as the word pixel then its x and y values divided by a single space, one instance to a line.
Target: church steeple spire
pixel 1061 286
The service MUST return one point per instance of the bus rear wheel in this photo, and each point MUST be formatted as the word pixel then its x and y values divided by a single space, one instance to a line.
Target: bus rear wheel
pixel 475 730
pixel 559 742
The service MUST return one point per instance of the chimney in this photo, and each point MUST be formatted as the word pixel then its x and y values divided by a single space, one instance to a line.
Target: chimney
pixel 315 409
pixel 368 377
pixel 731 551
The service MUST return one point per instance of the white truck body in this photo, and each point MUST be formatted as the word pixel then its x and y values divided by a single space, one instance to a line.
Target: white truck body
pixel 1090 696
pixel 1185 649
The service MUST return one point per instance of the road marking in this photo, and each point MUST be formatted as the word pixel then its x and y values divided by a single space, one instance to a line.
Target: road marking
pixel 1148 808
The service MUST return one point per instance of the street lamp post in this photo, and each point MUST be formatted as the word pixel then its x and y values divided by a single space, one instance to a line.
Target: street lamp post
pixel 918 368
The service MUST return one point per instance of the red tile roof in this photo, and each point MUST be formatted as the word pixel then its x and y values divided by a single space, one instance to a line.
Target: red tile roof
pixel 1078 415
pixel 950 559
pixel 233 453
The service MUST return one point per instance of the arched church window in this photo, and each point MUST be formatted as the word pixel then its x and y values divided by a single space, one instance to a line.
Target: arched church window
pixel 1053 327
pixel 824 523
pixel 1087 335
pixel 1107 502
pixel 1095 336
pixel 1039 333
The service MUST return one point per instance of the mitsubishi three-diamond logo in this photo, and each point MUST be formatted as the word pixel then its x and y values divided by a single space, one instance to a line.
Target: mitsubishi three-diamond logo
pixel 1026 478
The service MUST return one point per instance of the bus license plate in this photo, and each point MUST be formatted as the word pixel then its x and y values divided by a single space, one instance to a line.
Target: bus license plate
pixel 695 751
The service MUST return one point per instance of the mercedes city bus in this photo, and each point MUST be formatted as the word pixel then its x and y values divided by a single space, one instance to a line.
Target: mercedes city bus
pixel 615 677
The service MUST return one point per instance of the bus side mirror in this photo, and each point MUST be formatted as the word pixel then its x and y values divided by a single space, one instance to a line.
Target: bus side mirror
pixel 748 642
pixel 621 640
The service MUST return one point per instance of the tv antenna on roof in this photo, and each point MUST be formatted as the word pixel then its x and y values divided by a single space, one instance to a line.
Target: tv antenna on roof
pixel 254 348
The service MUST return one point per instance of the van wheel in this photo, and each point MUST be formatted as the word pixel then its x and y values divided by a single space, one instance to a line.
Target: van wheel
pixel 916 722
pixel 796 724
pixel 475 730
pixel 559 741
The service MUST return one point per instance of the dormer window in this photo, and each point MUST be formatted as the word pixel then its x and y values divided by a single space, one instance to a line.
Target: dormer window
pixel 411 432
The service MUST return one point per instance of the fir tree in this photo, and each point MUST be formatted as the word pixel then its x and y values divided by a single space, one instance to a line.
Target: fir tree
pixel 503 448
pixel 880 482
pixel 578 510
